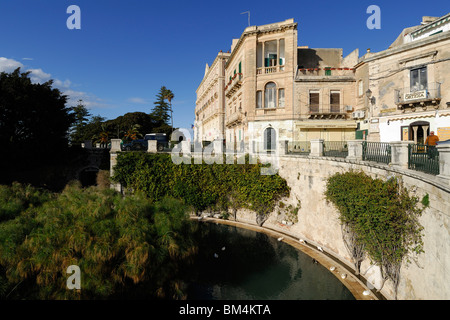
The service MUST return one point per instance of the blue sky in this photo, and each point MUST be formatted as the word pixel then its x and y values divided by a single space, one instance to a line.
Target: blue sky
pixel 126 50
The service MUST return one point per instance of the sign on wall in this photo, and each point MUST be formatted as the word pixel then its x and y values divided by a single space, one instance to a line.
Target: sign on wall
pixel 405 133
pixel 422 94
pixel 443 133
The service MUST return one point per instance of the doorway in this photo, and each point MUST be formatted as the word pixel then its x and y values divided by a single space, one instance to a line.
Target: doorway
pixel 270 139
pixel 419 131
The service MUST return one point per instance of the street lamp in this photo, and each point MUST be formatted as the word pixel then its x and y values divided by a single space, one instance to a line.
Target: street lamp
pixel 369 96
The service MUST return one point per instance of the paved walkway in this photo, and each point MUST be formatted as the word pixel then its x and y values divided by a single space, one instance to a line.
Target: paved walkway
pixel 356 286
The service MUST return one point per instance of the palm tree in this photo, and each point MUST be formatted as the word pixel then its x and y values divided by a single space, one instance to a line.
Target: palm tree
pixel 168 94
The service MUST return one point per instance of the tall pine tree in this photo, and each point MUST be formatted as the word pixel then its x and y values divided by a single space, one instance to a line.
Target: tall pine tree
pixel 160 112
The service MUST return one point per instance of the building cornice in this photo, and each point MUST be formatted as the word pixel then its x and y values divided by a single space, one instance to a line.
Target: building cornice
pixel 220 55
pixel 407 46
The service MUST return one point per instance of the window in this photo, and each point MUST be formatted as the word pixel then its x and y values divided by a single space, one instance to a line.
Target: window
pixel 258 99
pixel 282 58
pixel 327 71
pixel 281 98
pixel 418 78
pixel 314 101
pixel 270 54
pixel 270 139
pixel 240 67
pixel 270 95
pixel 360 88
pixel 335 101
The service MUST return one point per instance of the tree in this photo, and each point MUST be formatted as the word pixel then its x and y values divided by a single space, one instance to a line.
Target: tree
pixel 81 119
pixel 169 96
pixel 161 110
pixel 34 121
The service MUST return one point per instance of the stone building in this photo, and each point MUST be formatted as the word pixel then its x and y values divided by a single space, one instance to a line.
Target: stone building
pixel 269 89
pixel 210 104
pixel 259 88
pixel 324 95
pixel 405 89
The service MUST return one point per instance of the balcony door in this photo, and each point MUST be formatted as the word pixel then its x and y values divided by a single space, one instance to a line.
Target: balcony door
pixel 418 79
pixel 270 95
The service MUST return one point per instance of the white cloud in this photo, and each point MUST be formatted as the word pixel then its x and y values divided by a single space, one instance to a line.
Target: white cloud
pixel 62 84
pixel 137 100
pixel 29 59
pixel 9 65
pixel 89 101
pixel 39 76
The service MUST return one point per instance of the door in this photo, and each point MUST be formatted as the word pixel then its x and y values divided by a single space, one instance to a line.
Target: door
pixel 270 139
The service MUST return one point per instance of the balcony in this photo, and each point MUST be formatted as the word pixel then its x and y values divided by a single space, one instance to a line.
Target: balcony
pixel 269 70
pixel 325 74
pixel 418 97
pixel 233 119
pixel 233 85
pixel 331 111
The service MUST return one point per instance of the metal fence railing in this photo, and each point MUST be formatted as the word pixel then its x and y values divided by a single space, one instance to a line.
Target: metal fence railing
pixel 423 158
pixel 338 149
pixel 377 152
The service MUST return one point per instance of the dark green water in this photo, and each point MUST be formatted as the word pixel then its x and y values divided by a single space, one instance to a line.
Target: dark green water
pixel 254 266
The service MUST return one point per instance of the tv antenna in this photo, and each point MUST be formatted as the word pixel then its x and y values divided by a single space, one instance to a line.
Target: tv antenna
pixel 248 16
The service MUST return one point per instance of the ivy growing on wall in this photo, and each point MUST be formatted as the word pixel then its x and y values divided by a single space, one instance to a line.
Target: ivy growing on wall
pixel 379 218
pixel 214 187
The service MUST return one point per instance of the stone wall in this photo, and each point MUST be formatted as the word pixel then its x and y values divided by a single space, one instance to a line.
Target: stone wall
pixel 426 277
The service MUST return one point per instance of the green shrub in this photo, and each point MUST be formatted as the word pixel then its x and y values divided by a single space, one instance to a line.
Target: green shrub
pixel 121 244
pixel 382 215
pixel 202 186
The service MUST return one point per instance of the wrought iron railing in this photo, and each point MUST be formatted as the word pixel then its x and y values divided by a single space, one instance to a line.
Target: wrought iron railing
pixel 377 152
pixel 338 149
pixel 410 94
pixel 328 108
pixel 423 158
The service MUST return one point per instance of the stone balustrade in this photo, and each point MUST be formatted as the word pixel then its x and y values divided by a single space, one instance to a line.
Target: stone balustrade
pixel 399 155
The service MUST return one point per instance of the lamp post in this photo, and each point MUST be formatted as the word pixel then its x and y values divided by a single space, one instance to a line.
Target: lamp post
pixel 369 96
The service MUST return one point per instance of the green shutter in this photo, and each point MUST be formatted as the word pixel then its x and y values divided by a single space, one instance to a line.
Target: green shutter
pixel 240 67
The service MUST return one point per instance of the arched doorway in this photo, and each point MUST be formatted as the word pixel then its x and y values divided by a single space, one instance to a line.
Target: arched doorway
pixel 419 131
pixel 88 176
pixel 270 139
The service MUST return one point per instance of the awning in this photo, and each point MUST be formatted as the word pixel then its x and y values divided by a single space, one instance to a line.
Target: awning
pixel 326 125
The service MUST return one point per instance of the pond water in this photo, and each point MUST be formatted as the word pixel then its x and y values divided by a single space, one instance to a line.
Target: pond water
pixel 240 264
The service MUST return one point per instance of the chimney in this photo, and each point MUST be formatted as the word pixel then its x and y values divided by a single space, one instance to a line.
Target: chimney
pixel 428 19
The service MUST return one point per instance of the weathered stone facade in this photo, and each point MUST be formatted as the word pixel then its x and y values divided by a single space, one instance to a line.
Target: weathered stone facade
pixel 409 84
pixel 272 87
pixel 426 277
pixel 210 104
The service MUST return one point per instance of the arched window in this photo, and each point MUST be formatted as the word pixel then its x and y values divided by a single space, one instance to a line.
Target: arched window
pixel 270 139
pixel 270 95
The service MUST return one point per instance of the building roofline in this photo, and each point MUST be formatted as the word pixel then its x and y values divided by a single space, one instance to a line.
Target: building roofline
pixel 219 55
pixel 288 23
pixel 431 24
pixel 406 46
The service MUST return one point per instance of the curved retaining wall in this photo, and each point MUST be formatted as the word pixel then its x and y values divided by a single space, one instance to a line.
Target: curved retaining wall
pixel 426 277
